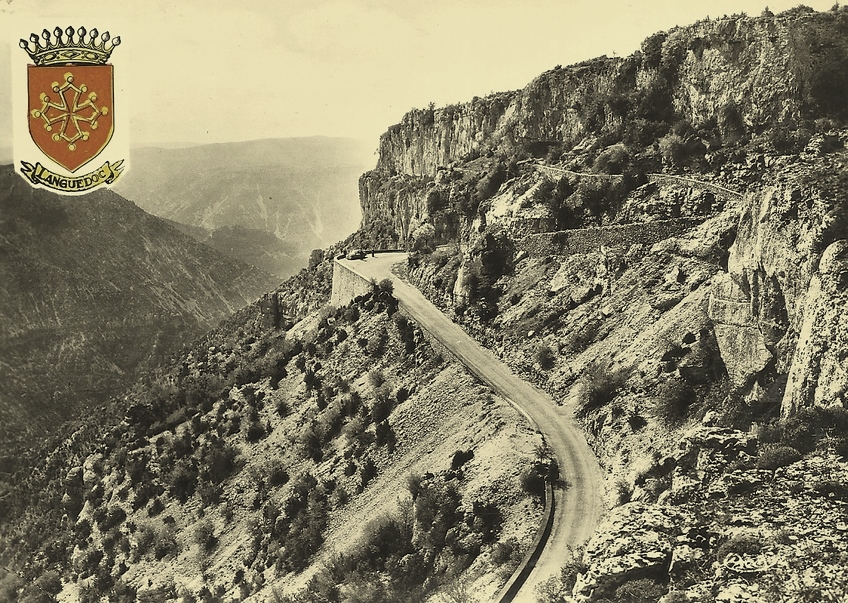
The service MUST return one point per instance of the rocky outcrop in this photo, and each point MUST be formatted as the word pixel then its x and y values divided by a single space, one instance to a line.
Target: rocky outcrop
pixel 729 76
pixel 636 541
pixel 758 69
pixel 738 334
pixel 781 303
pixel 819 371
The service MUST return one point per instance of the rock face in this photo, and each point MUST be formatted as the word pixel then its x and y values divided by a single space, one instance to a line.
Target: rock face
pixel 758 65
pixel 636 541
pixel 782 300
pixel 754 72
pixel 739 337
pixel 819 371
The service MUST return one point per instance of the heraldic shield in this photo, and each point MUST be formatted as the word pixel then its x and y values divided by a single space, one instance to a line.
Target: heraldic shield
pixel 71 111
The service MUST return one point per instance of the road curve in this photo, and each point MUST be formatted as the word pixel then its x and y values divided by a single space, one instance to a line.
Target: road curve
pixel 578 509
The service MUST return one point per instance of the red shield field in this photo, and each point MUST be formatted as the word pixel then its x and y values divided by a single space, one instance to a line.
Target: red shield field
pixel 71 112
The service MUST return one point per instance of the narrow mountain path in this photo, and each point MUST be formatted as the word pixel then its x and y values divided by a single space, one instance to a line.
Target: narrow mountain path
pixel 577 509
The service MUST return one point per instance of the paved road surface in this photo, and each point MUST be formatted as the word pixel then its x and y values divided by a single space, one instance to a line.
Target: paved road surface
pixel 577 510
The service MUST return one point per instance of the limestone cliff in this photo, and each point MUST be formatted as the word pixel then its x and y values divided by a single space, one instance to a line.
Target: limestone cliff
pixel 731 76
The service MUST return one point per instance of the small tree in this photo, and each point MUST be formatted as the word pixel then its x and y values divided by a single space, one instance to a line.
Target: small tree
pixel 204 536
pixel 386 286
pixel 545 356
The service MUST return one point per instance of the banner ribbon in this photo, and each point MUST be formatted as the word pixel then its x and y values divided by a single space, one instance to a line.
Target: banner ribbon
pixel 105 174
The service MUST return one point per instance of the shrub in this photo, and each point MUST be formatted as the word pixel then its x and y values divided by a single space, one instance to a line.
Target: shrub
pixel 599 386
pixel 165 544
pixel 113 517
pixel 533 482
pixel 386 286
pixel 282 408
pixel 209 493
pixel 156 507
pixel 220 461
pixel 385 435
pixel 543 191
pixel 377 343
pixel 460 457
pixel 183 480
pixel 642 590
pixel 612 160
pixel 277 475
pixel 636 422
pixel 502 552
pixel 599 197
pixel 50 582
pixel 310 442
pixel 413 484
pixel 351 314
pixel 673 149
pixel 775 456
pixel 741 544
pixel 673 400
pixel 376 377
pixel 558 589
pixel 367 471
pixel 255 432
pixel 545 357
pixel 204 536
pixel 624 491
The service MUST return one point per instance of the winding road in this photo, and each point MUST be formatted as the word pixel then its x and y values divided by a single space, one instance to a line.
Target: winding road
pixel 578 509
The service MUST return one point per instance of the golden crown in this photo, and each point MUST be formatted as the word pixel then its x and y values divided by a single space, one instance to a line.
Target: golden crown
pixel 80 47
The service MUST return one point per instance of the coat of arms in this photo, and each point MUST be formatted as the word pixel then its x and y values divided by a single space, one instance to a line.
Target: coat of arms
pixel 71 104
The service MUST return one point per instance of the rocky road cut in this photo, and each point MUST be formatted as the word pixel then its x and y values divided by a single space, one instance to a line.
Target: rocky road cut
pixel 577 509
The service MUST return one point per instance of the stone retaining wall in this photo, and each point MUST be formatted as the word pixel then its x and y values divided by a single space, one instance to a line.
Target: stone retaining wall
pixel 586 240
pixel 717 190
pixel 522 572
pixel 347 285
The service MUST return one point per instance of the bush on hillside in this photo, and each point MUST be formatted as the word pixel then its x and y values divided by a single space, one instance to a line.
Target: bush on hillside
pixel 557 589
pixel 612 160
pixel 376 377
pixel 204 536
pixel 776 456
pixel 376 344
pixel 741 544
pixel 219 460
pixel 183 480
pixel 544 356
pixel 600 385
pixel 533 482
pixel 642 590
pixel 674 397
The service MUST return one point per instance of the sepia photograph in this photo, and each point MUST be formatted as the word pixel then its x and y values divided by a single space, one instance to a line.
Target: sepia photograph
pixel 384 301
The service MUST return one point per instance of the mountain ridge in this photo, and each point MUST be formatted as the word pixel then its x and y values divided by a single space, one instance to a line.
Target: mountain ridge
pixel 93 289
pixel 301 191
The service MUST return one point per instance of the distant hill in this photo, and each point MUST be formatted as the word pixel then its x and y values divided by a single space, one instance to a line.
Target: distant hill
pixel 92 290
pixel 300 191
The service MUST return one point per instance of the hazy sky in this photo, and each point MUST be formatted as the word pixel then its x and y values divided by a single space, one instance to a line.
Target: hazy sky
pixel 214 71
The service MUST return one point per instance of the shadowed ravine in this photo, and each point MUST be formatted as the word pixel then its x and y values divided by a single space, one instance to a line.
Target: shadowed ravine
pixel 579 508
